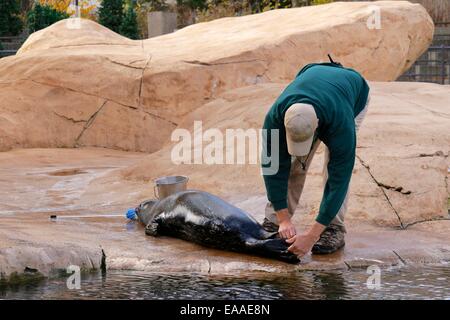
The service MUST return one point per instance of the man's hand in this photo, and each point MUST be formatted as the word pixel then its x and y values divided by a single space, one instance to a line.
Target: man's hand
pixel 302 244
pixel 286 228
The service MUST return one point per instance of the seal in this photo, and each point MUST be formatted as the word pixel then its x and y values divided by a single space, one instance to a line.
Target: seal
pixel 207 220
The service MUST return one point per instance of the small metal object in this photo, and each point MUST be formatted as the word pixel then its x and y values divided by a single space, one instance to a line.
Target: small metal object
pixel 165 186
pixel 55 217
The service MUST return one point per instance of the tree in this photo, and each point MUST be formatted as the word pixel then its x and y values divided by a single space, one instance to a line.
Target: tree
pixel 111 14
pixel 86 7
pixel 10 22
pixel 194 4
pixel 224 8
pixel 316 2
pixel 188 9
pixel 264 5
pixel 129 27
pixel 42 16
pixel 59 5
pixel 142 8
pixel 152 5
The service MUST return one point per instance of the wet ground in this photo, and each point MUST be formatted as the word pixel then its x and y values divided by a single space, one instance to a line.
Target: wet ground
pixel 37 183
pixel 44 180
pixel 430 282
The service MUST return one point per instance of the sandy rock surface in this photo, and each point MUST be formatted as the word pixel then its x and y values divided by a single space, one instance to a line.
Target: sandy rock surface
pixel 43 182
pixel 88 86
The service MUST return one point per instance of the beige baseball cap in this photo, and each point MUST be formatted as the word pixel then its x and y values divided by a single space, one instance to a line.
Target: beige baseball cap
pixel 300 122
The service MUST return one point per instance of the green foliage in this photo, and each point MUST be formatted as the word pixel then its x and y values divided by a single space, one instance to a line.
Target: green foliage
pixel 129 27
pixel 223 8
pixel 42 16
pixel 228 8
pixel 142 8
pixel 265 5
pixel 1 46
pixel 111 14
pixel 153 5
pixel 315 2
pixel 10 22
pixel 195 4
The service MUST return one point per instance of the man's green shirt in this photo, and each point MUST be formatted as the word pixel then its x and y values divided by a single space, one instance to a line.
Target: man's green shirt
pixel 338 95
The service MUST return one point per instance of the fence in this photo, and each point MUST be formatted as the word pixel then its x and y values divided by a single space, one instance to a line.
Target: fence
pixel 5 53
pixel 434 64
pixel 10 45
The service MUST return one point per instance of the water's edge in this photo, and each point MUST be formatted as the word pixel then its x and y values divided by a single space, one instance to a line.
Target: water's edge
pixel 406 282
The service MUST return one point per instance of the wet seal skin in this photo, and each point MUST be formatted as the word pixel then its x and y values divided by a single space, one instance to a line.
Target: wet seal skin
pixel 207 220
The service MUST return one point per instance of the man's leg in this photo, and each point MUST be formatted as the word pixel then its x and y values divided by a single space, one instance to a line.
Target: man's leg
pixel 332 238
pixel 339 219
pixel 297 177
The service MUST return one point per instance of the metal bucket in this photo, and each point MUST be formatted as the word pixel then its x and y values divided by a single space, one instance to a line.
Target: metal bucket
pixel 165 186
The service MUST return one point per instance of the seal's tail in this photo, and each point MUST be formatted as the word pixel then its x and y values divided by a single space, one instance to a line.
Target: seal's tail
pixel 273 248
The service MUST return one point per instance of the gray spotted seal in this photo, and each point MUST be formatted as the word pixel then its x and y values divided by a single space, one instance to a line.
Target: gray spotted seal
pixel 207 220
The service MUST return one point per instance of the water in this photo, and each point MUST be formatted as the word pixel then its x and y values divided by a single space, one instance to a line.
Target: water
pixel 427 282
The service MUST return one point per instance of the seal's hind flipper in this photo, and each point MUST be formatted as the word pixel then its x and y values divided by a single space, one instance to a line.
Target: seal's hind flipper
pixel 272 248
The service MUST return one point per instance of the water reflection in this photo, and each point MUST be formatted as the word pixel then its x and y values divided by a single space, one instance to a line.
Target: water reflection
pixel 406 283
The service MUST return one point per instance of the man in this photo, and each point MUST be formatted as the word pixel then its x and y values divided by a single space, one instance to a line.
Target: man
pixel 326 102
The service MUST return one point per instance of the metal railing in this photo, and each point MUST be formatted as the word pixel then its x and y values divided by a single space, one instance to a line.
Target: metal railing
pixel 434 64
pixel 5 53
pixel 10 45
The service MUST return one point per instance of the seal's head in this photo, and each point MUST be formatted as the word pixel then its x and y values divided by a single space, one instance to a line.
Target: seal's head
pixel 144 211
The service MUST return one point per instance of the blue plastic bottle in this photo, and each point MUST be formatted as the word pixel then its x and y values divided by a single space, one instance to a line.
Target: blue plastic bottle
pixel 131 214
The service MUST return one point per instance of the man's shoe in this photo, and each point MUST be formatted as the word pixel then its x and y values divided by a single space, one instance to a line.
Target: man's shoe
pixel 331 240
pixel 269 226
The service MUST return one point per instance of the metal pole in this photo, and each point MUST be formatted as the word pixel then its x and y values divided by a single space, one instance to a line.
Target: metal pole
pixel 54 217
pixel 77 9
pixel 442 65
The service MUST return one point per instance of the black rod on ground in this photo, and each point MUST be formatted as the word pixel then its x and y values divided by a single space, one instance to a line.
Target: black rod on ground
pixel 54 216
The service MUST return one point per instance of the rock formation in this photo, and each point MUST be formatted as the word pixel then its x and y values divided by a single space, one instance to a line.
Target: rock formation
pixel 83 85
pixel 400 175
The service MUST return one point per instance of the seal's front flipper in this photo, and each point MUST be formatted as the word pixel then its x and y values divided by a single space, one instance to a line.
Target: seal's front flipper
pixel 151 229
pixel 269 235
pixel 272 248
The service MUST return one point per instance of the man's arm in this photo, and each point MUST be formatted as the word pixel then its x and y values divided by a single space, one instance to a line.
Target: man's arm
pixel 340 169
pixel 276 183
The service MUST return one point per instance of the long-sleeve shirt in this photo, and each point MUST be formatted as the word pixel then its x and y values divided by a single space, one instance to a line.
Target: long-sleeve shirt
pixel 338 95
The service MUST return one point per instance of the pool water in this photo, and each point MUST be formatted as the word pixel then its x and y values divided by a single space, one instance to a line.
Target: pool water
pixel 426 282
